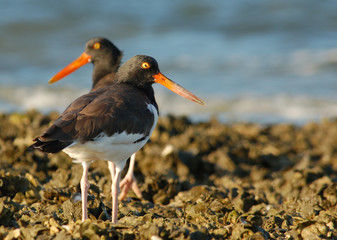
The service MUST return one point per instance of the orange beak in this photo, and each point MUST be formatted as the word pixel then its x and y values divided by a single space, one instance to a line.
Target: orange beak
pixel 79 62
pixel 174 87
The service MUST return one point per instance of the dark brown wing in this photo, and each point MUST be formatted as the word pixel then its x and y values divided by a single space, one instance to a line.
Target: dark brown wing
pixel 110 110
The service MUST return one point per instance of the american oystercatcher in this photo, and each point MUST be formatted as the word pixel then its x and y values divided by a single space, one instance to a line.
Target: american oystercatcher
pixel 106 58
pixel 111 123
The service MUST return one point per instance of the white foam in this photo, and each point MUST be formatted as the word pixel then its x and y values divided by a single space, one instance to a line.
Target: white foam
pixel 41 98
pixel 278 107
pixel 263 109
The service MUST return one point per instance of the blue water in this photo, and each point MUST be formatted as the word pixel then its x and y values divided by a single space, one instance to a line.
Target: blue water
pixel 263 61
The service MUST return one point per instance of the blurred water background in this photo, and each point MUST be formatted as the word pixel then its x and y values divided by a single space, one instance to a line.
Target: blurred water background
pixel 258 61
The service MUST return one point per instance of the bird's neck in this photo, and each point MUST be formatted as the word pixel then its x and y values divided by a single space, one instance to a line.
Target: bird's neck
pixel 100 73
pixel 102 82
pixel 103 75
pixel 149 92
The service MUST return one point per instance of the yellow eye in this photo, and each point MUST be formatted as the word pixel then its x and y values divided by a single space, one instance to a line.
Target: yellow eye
pixel 145 65
pixel 97 46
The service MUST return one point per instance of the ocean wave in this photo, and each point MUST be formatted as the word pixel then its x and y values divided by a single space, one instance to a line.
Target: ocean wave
pixel 40 98
pixel 240 108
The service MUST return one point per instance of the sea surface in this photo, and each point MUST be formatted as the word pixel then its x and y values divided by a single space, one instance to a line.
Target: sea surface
pixel 250 61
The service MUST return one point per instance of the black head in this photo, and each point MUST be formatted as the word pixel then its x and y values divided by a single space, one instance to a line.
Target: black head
pixel 106 58
pixel 142 71
pixel 102 53
pixel 138 71
pixel 102 50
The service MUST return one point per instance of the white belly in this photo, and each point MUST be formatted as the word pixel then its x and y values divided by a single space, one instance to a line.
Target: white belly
pixel 116 148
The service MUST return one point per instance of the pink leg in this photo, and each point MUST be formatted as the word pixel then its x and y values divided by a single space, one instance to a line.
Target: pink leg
pixel 115 176
pixel 84 190
pixel 129 181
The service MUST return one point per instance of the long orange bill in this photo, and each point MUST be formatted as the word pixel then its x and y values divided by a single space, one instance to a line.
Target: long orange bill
pixel 79 62
pixel 175 87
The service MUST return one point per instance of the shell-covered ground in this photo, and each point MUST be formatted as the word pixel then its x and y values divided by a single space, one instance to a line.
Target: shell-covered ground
pixel 204 180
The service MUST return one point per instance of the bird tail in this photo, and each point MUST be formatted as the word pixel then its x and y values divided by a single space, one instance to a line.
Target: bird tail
pixel 51 146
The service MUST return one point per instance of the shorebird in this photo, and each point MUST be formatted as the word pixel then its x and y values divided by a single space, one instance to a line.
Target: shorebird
pixel 111 123
pixel 106 58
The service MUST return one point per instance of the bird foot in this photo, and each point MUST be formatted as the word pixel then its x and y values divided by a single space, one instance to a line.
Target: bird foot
pixel 128 182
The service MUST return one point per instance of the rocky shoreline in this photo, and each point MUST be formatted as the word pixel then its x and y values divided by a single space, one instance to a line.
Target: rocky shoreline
pixel 205 180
